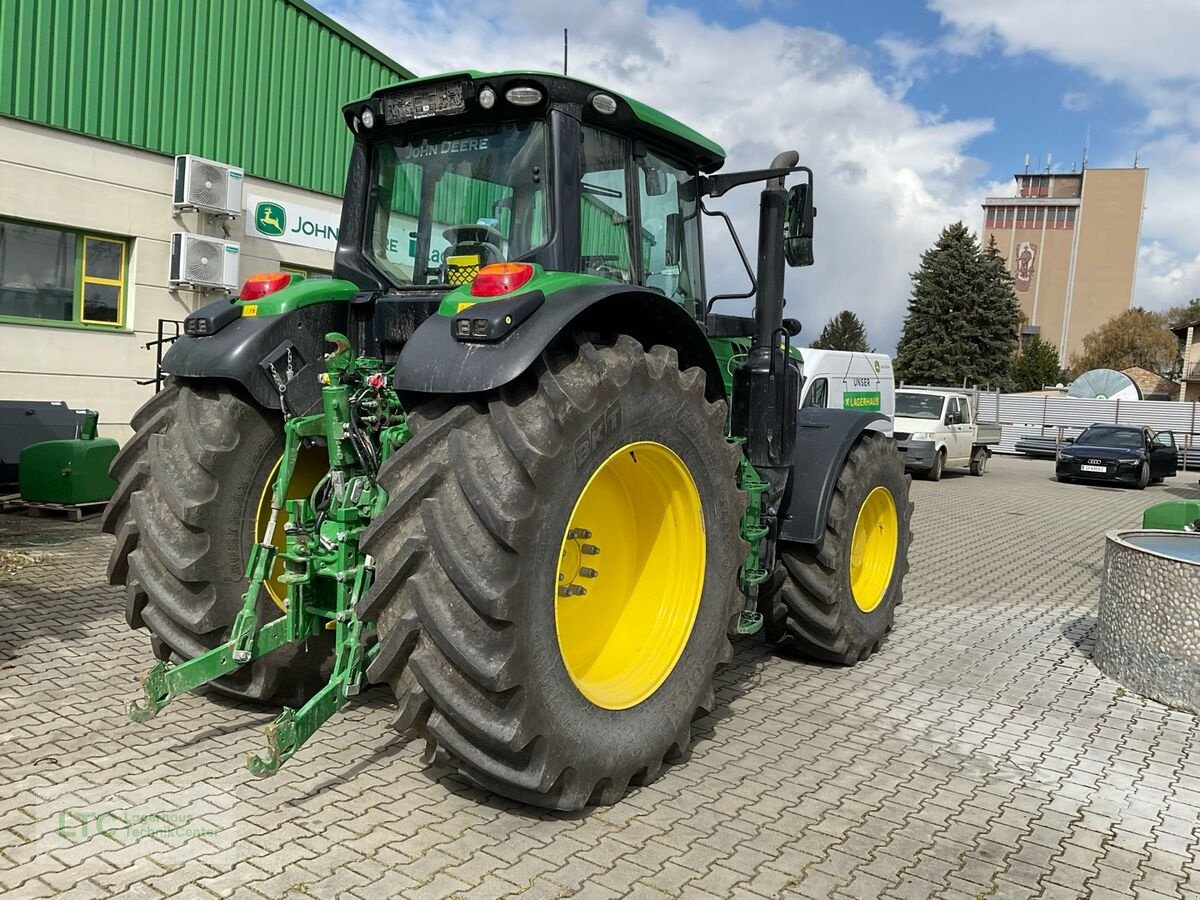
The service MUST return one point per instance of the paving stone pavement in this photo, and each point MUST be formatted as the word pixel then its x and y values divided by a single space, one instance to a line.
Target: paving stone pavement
pixel 980 755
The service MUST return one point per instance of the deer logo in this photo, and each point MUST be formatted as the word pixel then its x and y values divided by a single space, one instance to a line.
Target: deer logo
pixel 270 219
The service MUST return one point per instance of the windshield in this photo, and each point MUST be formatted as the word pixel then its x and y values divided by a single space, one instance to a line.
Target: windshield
pixel 919 406
pixel 1126 438
pixel 446 203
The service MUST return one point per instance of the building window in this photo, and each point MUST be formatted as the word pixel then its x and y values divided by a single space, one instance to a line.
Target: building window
pixel 55 276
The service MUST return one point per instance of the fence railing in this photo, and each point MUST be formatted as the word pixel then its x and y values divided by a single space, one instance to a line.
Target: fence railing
pixel 1044 423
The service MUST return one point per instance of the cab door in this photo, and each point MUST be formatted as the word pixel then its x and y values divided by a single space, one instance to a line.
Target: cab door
pixel 959 440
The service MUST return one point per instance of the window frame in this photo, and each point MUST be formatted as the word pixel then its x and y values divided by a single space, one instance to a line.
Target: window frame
pixel 77 320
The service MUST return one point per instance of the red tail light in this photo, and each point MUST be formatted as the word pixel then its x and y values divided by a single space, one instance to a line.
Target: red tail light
pixel 258 286
pixel 500 278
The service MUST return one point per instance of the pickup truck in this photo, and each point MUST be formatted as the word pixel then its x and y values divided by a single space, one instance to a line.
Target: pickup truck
pixel 936 428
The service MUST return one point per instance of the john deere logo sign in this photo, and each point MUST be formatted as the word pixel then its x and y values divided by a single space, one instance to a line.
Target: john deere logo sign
pixel 270 219
pixel 284 222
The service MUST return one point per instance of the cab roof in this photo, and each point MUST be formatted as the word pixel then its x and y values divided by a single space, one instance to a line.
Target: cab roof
pixel 632 116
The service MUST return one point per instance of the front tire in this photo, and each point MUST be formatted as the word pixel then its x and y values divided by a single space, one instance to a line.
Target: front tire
pixel 934 472
pixel 489 506
pixel 979 460
pixel 1143 476
pixel 837 603
pixel 189 485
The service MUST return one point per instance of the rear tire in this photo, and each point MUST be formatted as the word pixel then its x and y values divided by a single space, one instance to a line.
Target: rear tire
pixel 979 461
pixel 465 596
pixel 815 609
pixel 189 482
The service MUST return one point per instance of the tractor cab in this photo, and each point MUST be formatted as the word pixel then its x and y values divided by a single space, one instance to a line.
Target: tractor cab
pixel 455 173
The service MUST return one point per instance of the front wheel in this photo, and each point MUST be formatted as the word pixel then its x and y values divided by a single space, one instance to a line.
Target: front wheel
pixel 1143 476
pixel 837 602
pixel 558 574
pixel 934 472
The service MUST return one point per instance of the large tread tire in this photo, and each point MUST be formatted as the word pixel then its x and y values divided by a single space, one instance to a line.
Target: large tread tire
pixel 467 553
pixel 813 611
pixel 188 485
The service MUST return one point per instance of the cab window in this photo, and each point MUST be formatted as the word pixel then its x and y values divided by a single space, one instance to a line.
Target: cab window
pixel 670 232
pixel 818 394
pixel 605 225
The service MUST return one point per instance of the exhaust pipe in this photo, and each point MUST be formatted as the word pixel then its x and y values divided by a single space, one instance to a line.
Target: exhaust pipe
pixel 766 386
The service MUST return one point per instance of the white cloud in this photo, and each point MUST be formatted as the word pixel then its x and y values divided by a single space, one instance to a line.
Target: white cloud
pixel 1150 50
pixel 889 177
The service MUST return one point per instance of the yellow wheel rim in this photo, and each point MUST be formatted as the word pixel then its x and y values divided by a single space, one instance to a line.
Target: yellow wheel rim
pixel 311 464
pixel 873 549
pixel 631 571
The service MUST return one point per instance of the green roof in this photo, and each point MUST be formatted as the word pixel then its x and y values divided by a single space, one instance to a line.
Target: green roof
pixel 254 83
pixel 654 118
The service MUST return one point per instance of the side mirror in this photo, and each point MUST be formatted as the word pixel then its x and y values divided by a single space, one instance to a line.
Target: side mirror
pixel 798 226
pixel 674 240
pixel 791 326
pixel 656 181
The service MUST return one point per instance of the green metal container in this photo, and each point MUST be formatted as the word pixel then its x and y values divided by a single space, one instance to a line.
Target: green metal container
pixel 67 472
pixel 1172 515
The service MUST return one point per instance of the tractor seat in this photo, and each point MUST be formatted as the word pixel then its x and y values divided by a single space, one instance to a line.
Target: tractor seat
pixel 471 248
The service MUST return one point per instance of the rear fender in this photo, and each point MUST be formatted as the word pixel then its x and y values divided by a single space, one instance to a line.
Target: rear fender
pixel 434 362
pixel 824 438
pixel 260 352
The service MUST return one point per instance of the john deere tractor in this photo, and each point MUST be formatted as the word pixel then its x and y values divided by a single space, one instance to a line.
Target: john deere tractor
pixel 508 461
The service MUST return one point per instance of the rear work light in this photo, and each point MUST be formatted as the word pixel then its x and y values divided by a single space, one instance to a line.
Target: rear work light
pixel 264 283
pixel 500 278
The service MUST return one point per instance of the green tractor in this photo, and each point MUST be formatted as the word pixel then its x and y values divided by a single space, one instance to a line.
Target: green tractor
pixel 507 461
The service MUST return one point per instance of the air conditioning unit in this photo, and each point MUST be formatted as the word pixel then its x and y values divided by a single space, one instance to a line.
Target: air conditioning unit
pixel 207 186
pixel 203 263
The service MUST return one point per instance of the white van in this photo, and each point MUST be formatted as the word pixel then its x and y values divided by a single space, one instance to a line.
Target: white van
pixel 843 379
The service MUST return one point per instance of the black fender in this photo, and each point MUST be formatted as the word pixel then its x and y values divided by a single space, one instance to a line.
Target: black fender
pixel 253 351
pixel 434 362
pixel 824 438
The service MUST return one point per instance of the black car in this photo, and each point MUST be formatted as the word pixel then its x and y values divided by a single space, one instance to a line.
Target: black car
pixel 1128 454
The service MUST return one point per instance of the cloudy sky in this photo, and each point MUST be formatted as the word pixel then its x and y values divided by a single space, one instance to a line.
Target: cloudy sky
pixel 909 113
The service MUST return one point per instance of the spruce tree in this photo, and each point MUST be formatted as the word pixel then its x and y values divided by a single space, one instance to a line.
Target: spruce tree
pixel 1036 366
pixel 845 331
pixel 999 318
pixel 962 315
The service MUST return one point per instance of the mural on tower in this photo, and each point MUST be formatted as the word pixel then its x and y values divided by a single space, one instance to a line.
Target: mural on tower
pixel 1026 258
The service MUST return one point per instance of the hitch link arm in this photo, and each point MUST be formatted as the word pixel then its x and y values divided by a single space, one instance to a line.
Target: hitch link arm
pixel 246 641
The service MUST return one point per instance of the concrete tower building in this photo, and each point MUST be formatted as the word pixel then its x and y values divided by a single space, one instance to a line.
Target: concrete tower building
pixel 1071 243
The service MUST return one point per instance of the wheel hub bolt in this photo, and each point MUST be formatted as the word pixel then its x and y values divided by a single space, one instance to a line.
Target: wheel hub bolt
pixel 572 590
pixel 588 573
pixel 579 534
pixel 589 549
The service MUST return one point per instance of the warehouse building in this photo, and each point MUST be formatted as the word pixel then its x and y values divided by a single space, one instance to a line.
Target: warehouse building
pixel 96 101
pixel 1071 242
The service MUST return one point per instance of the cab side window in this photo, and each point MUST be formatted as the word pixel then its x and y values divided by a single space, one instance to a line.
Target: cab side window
pixel 670 235
pixel 818 394
pixel 605 225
